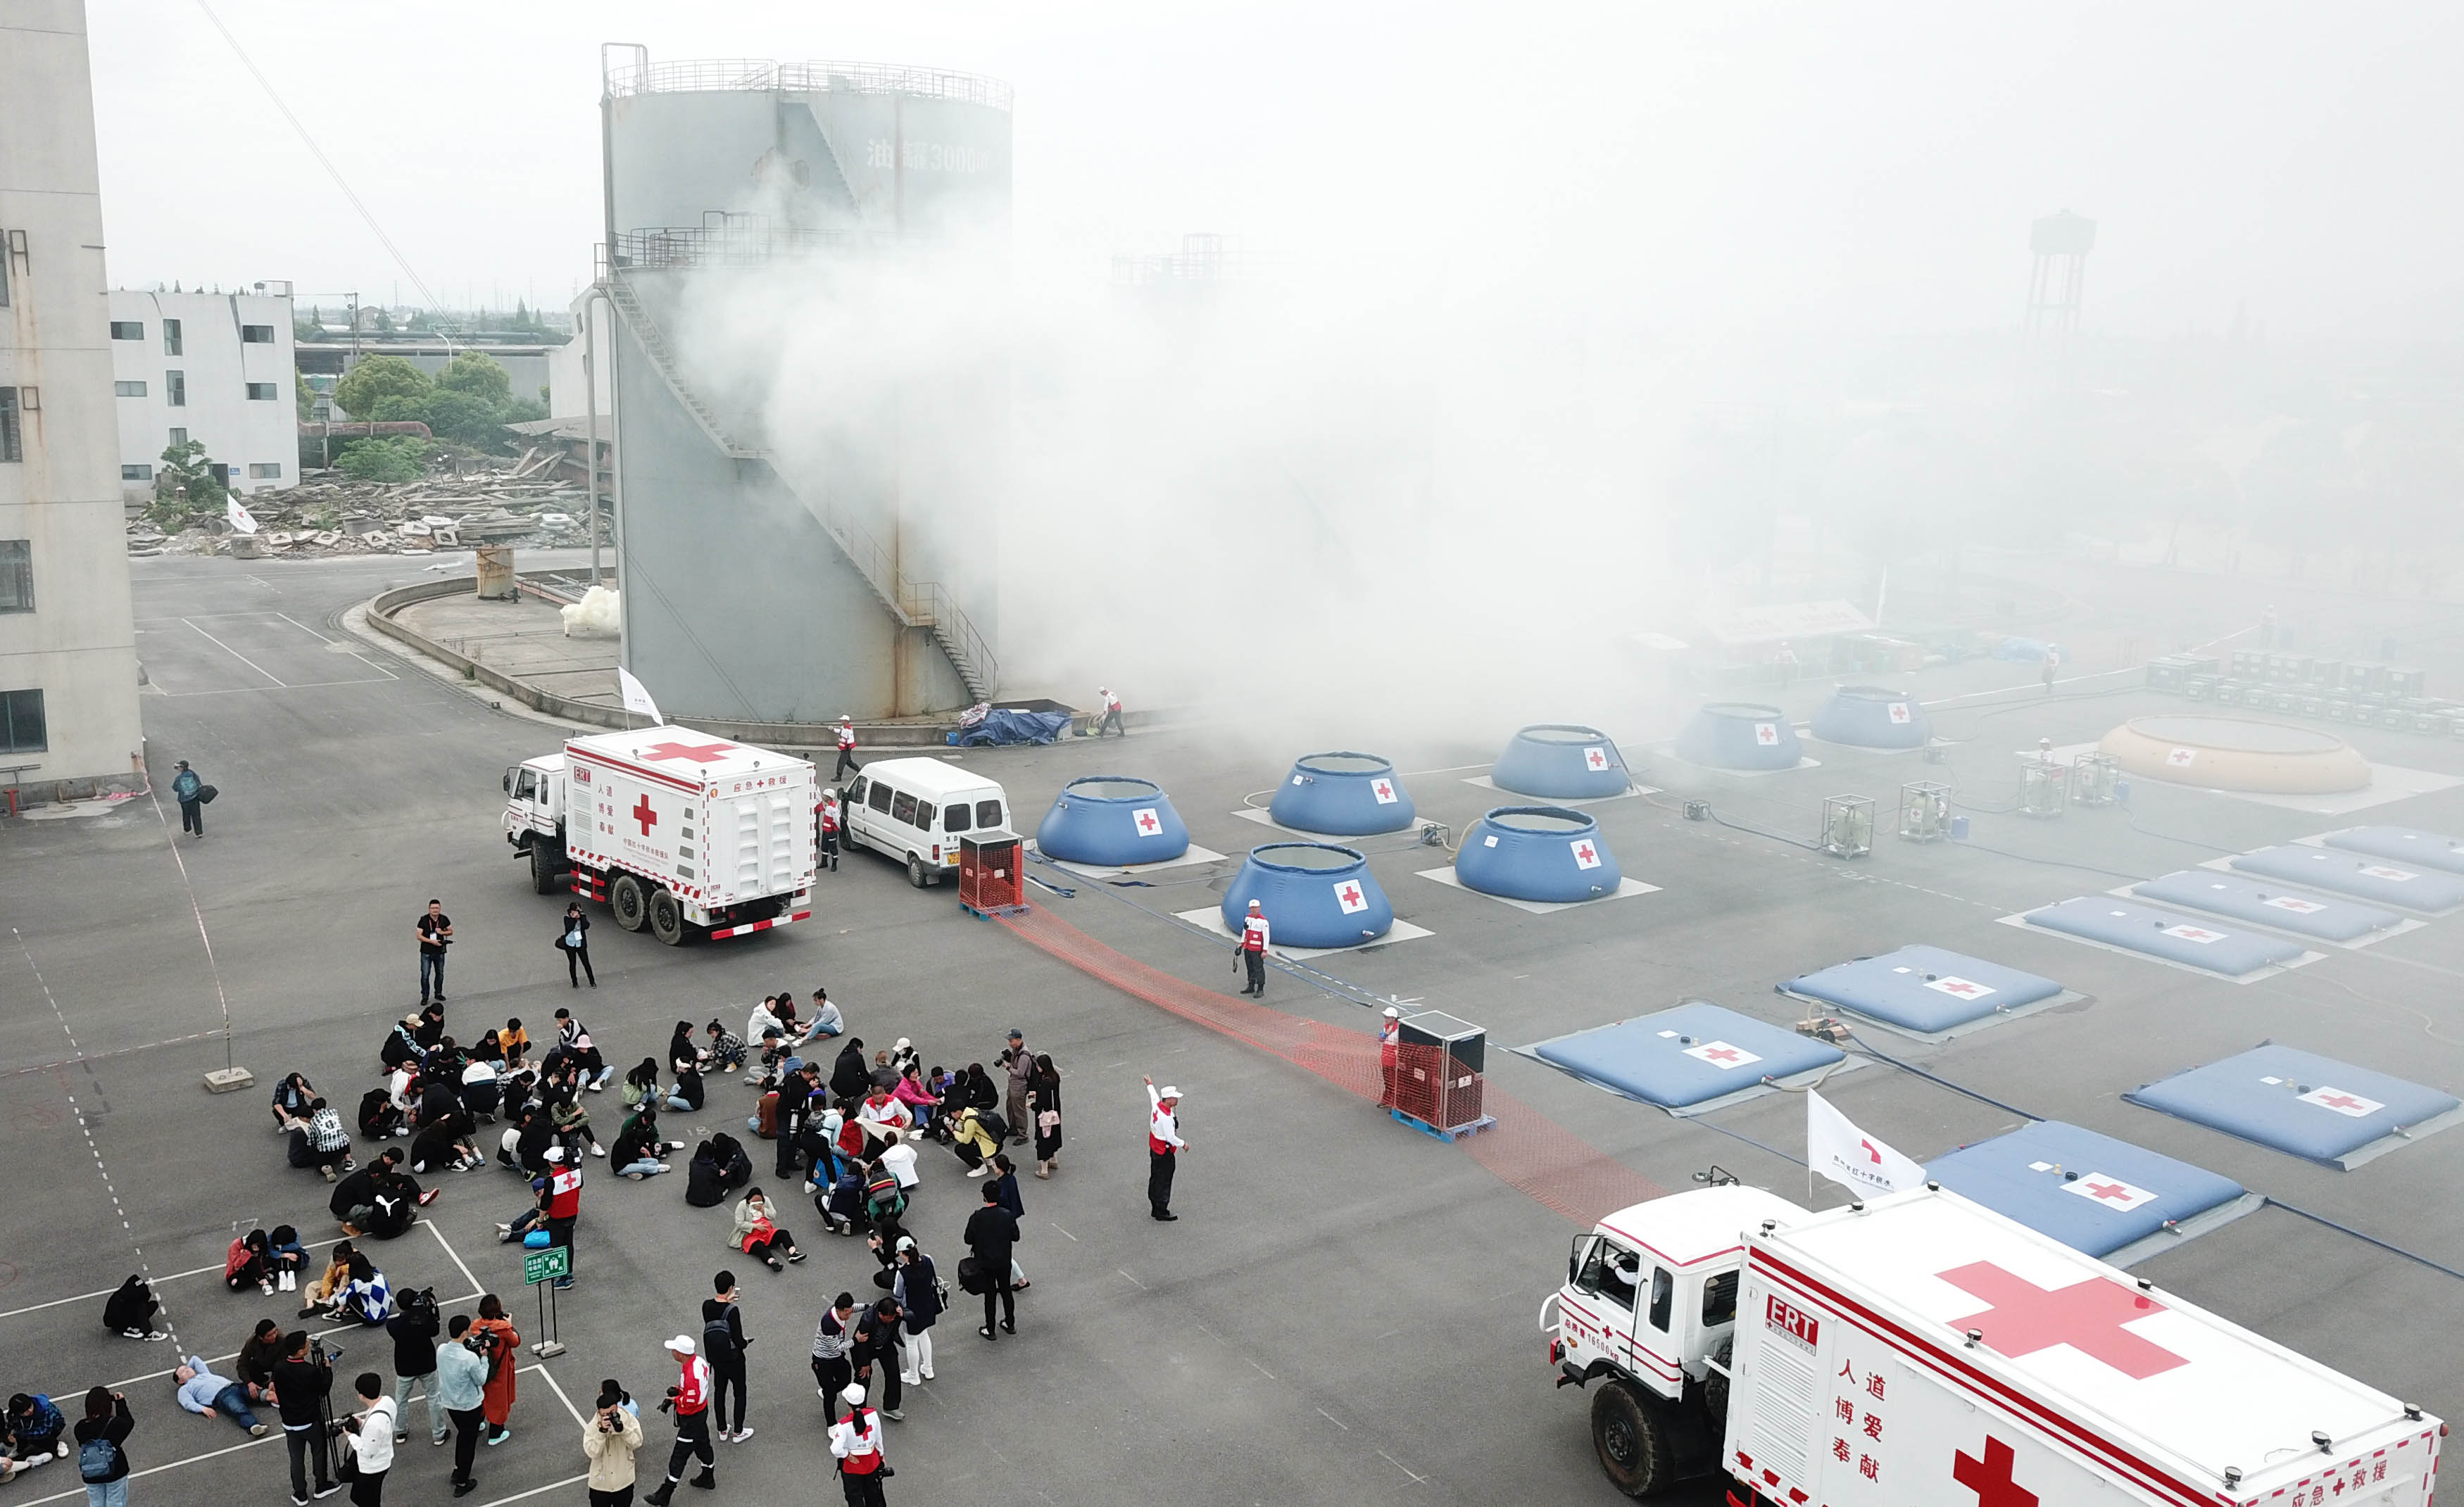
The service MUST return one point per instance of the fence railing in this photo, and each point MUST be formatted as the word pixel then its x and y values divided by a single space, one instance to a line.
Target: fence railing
pixel 735 244
pixel 693 75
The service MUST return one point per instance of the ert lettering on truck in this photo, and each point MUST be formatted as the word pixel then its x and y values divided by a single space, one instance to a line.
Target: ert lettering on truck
pixel 1794 1323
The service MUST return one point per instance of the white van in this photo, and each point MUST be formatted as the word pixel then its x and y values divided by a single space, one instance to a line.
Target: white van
pixel 915 809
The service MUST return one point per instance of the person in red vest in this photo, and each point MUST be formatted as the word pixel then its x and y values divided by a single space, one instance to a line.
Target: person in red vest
pixel 857 1444
pixel 829 815
pixel 689 1400
pixel 1253 950
pixel 847 751
pixel 563 1205
pixel 1164 1143
pixel 1390 1047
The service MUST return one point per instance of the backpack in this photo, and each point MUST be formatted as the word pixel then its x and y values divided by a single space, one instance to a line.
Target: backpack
pixel 994 1123
pixel 882 1195
pixel 95 1457
pixel 971 1277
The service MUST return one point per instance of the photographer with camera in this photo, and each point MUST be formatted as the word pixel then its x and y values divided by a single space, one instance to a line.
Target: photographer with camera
pixel 370 1432
pixel 101 1464
pixel 416 1330
pixel 689 1401
pixel 461 1375
pixel 611 1439
pixel 303 1385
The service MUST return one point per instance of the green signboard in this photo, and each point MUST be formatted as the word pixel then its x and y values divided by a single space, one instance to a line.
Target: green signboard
pixel 548 1265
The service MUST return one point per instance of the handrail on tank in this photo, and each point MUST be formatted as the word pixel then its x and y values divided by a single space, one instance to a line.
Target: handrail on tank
pixel 693 75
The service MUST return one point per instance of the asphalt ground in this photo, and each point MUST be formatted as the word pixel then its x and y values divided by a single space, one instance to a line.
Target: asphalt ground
pixel 1345 1312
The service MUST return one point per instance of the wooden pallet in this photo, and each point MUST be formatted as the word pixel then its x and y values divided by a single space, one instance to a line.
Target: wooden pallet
pixel 1443 1132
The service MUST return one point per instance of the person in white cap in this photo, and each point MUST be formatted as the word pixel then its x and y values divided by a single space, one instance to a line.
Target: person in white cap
pixel 1164 1142
pixel 1112 712
pixel 689 1401
pixel 846 750
pixel 856 1442
pixel 1253 950
pixel 1390 1041
pixel 564 1207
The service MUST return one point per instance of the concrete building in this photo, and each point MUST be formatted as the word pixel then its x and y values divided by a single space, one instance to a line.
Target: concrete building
pixel 212 368
pixel 788 555
pixel 68 655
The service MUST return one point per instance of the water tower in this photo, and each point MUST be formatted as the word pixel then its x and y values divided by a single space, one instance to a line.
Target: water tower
pixel 2058 284
pixel 801 535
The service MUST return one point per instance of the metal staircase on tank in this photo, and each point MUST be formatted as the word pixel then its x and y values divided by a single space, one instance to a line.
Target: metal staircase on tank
pixel 915 603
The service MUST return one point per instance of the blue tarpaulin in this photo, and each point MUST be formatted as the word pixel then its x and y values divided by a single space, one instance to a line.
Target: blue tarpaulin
pixel 1013 727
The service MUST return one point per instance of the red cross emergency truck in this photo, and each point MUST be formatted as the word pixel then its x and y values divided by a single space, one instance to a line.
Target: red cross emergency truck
pixel 1920 1350
pixel 677 832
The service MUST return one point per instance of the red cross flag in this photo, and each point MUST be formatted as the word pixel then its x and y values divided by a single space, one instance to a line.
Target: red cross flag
pixel 1351 897
pixel 1595 759
pixel 1383 790
pixel 2299 908
pixel 2382 871
pixel 2110 1192
pixel 1767 733
pixel 2342 1102
pixel 1721 1055
pixel 2190 933
pixel 1899 711
pixel 2180 759
pixel 1587 853
pixel 1860 1163
pixel 1959 988
pixel 1148 823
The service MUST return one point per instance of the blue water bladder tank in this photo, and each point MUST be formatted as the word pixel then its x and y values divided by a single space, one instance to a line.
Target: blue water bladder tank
pixel 1545 852
pixel 1343 795
pixel 1561 761
pixel 1871 717
pixel 1739 735
pixel 1315 894
pixel 1115 820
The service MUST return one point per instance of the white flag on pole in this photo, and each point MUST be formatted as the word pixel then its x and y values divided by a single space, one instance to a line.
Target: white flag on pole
pixel 237 516
pixel 637 696
pixel 1848 1156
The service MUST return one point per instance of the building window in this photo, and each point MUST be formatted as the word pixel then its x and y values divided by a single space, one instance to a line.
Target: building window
pixel 129 328
pixel 265 470
pixel 128 389
pixel 263 392
pixel 137 473
pixel 175 387
pixel 256 335
pixel 170 337
pixel 10 447
pixel 21 723
pixel 16 576
pixel 179 436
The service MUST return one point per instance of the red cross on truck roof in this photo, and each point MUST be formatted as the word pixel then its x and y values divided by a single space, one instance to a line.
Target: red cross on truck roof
pixel 698 753
pixel 2087 1316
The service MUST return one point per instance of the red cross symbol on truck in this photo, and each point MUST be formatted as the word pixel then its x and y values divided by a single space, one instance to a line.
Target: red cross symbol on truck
pixel 698 753
pixel 2109 1190
pixel 1989 1478
pixel 2087 1316
pixel 643 814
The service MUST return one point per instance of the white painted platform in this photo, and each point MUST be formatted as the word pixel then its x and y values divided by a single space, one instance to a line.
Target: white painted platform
pixel 1211 919
pixel 1627 890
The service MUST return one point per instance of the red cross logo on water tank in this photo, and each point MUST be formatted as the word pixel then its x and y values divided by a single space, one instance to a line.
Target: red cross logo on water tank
pixel 643 814
pixel 1147 822
pixel 2109 1190
pixel 1595 758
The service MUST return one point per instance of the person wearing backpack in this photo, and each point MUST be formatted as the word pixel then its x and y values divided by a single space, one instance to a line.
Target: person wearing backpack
pixel 722 1345
pixel 917 1288
pixel 101 1464
pixel 191 793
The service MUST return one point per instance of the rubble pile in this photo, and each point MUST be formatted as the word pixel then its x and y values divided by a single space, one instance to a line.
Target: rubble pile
pixel 462 502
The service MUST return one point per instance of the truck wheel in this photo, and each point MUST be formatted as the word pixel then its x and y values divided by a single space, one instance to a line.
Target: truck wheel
pixel 1715 1385
pixel 547 867
pixel 668 918
pixel 631 901
pixel 1632 1441
pixel 915 874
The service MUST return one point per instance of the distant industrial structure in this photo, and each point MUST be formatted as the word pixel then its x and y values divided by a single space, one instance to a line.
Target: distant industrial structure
pixel 766 577
pixel 212 368
pixel 2057 281
pixel 69 723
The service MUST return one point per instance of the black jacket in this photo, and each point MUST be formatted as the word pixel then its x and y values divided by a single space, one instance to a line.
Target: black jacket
pixel 992 1233
pixel 303 1386
pixel 415 1342
pixel 354 1190
pixel 116 1430
pixel 851 1076
pixel 722 1331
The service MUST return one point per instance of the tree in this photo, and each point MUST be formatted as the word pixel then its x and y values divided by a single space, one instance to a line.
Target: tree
pixel 378 378
pixel 384 458
pixel 476 375
pixel 185 489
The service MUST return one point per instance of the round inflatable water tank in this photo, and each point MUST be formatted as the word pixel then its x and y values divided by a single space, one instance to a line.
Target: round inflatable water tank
pixel 1739 735
pixel 1315 894
pixel 1342 795
pixel 1551 853
pixel 1115 820
pixel 1561 761
pixel 1871 717
pixel 2217 752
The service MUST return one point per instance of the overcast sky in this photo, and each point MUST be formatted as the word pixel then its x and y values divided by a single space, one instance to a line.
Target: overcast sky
pixel 1717 163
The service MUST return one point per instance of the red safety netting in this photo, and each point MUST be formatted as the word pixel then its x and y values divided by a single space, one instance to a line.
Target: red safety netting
pixel 1524 1148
